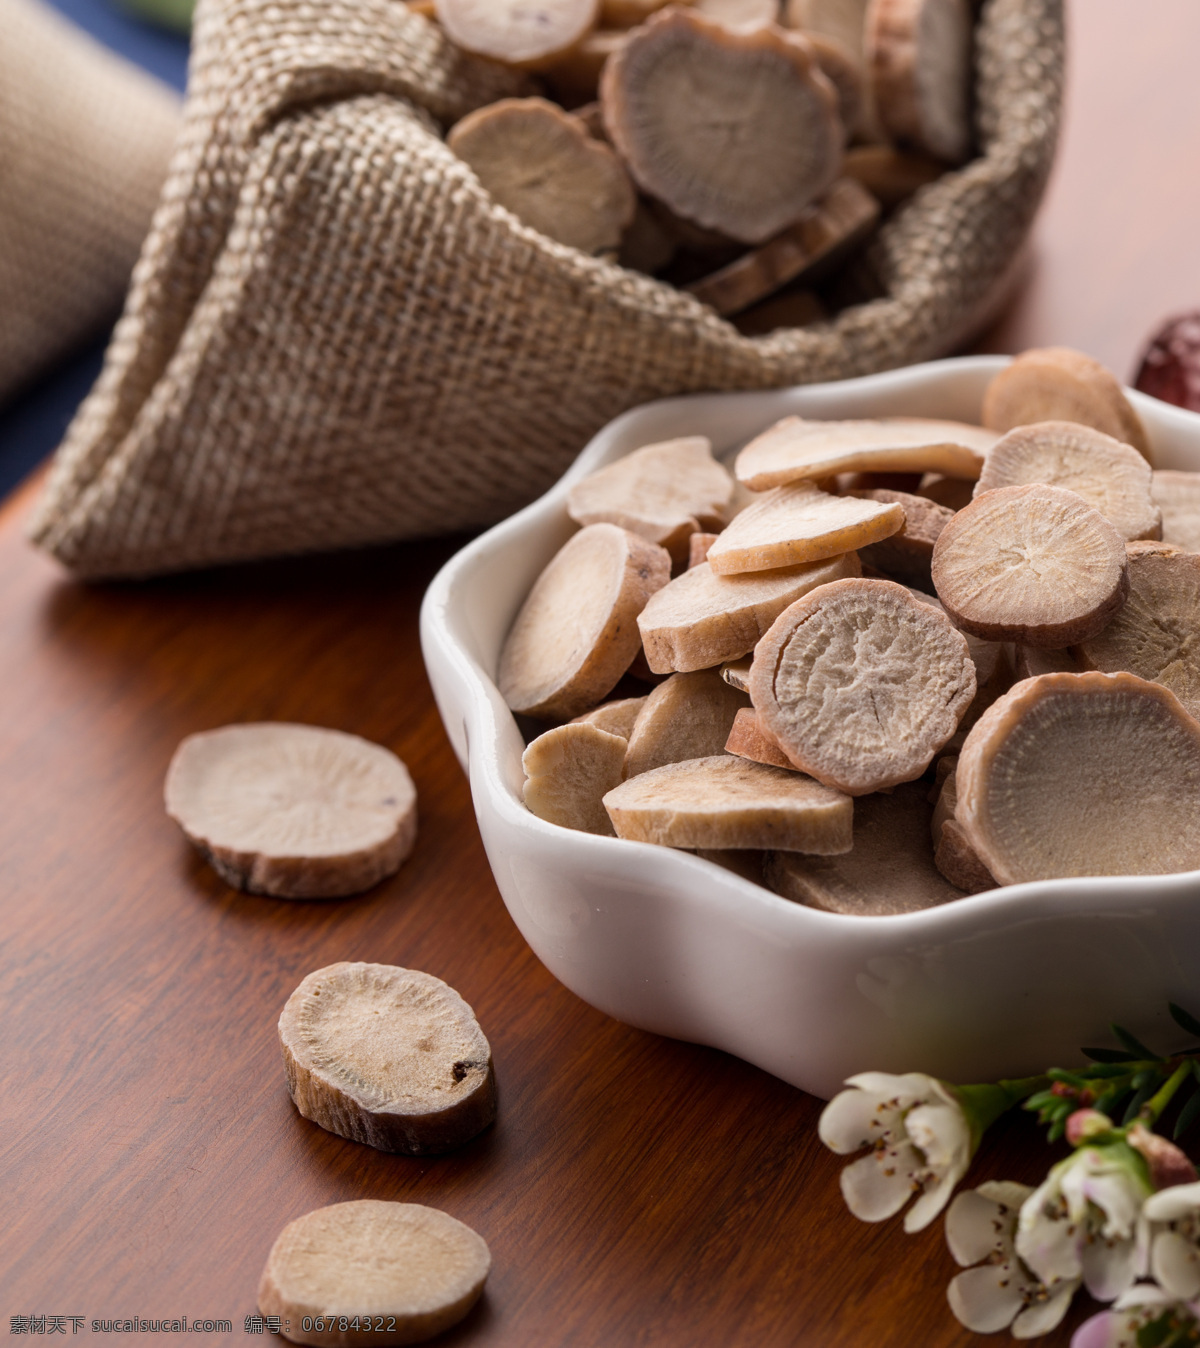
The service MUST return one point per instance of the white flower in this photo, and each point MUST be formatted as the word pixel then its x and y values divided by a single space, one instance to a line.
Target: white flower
pixel 1169 1239
pixel 1126 1324
pixel 1081 1222
pixel 980 1228
pixel 920 1140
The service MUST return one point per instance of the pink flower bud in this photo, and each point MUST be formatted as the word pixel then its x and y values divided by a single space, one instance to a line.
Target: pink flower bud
pixel 1086 1124
pixel 1168 1165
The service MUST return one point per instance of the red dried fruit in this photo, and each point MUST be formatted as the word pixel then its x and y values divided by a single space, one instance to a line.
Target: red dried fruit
pixel 1170 369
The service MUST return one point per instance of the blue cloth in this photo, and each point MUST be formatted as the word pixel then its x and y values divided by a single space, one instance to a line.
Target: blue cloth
pixel 32 424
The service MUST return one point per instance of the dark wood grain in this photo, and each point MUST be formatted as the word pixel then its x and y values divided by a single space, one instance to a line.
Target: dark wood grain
pixel 635 1190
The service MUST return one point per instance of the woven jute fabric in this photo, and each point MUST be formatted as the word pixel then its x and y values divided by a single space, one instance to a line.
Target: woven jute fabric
pixel 85 139
pixel 335 337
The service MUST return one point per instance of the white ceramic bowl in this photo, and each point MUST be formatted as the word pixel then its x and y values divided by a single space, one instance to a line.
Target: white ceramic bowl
pixel 1000 983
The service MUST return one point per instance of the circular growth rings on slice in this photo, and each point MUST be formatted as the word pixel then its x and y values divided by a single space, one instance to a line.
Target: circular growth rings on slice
pixel 390 1057
pixel 860 684
pixel 577 632
pixel 1034 564
pixel 1082 774
pixel 736 130
pixel 293 810
pixel 529 33
pixel 407 1271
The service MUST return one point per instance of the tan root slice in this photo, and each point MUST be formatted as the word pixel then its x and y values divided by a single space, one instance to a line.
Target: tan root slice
pixel 575 76
pixel 993 672
pixel 845 74
pixel 1082 774
pixel 792 309
pixel 1156 635
pixel 952 492
pixel 736 130
pixel 293 810
pixel 959 862
pixel 701 619
pixel 567 772
pixel 737 673
pixel 836 224
pixel 841 20
pixel 698 546
pixel 414 1269
pixel 794 449
pixel 1030 661
pixel 890 175
pixel 646 246
pixel 387 1056
pixel 800 523
pixel 616 718
pixel 747 740
pixel 860 684
pixel 663 492
pixel 889 870
pixel 907 554
pixel 729 802
pixel 738 13
pixel 1036 565
pixel 918 56
pixel 576 633
pixel 540 163
pixel 1177 495
pixel 688 716
pixel 526 33
pixel 1111 477
pixel 1058 384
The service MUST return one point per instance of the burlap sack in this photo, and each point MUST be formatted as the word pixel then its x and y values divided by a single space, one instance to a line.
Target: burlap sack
pixel 85 139
pixel 334 337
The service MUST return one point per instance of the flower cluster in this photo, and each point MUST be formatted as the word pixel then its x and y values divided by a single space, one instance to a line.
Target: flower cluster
pixel 1119 1216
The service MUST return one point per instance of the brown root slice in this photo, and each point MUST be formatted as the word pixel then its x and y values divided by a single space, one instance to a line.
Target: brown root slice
pixel 517 32
pixel 1035 565
pixel 840 221
pixel 701 619
pixel 1177 495
pixel 688 716
pixel 736 130
pixel 1082 774
pixel 890 175
pixel 540 163
pixel 728 802
pixel 746 739
pixel 387 1056
pixel 1156 635
pixel 576 633
pixel 1111 477
pixel 889 870
pixel 574 77
pixel 1058 384
pixel 567 772
pixel 860 684
pixel 794 449
pixel 407 1270
pixel 959 862
pixel 737 673
pixel 295 811
pixel 907 554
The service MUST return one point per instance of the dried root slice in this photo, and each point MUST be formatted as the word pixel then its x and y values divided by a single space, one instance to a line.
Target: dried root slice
pixel 663 492
pixel 701 619
pixel 688 716
pixel 1057 384
pixel 1030 661
pixel 845 74
pixel 387 1056
pixel 1082 774
pixel 860 684
pixel 575 76
pixel 1035 565
pixel 1156 635
pixel 841 20
pixel 747 740
pixel 918 56
pixel 728 802
pixel 293 810
pixel 952 492
pixel 629 13
pixel 743 14
pixel 736 130
pixel 907 555
pixel 800 523
pixel 1111 477
pixel 567 772
pixel 792 309
pixel 890 175
pixel 838 223
pixel 576 633
pixel 698 546
pixel 526 33
pixel 993 672
pixel 741 861
pixel 889 870
pixel 959 862
pixel 416 1270
pixel 540 163
pixel 616 718
pixel 794 449
pixel 646 246
pixel 1177 495
pixel 737 673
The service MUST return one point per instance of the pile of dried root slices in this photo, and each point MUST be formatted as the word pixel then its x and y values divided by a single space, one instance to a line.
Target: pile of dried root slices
pixel 742 150
pixel 883 663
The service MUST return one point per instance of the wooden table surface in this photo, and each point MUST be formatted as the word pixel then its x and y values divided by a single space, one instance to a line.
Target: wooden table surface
pixel 634 1190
